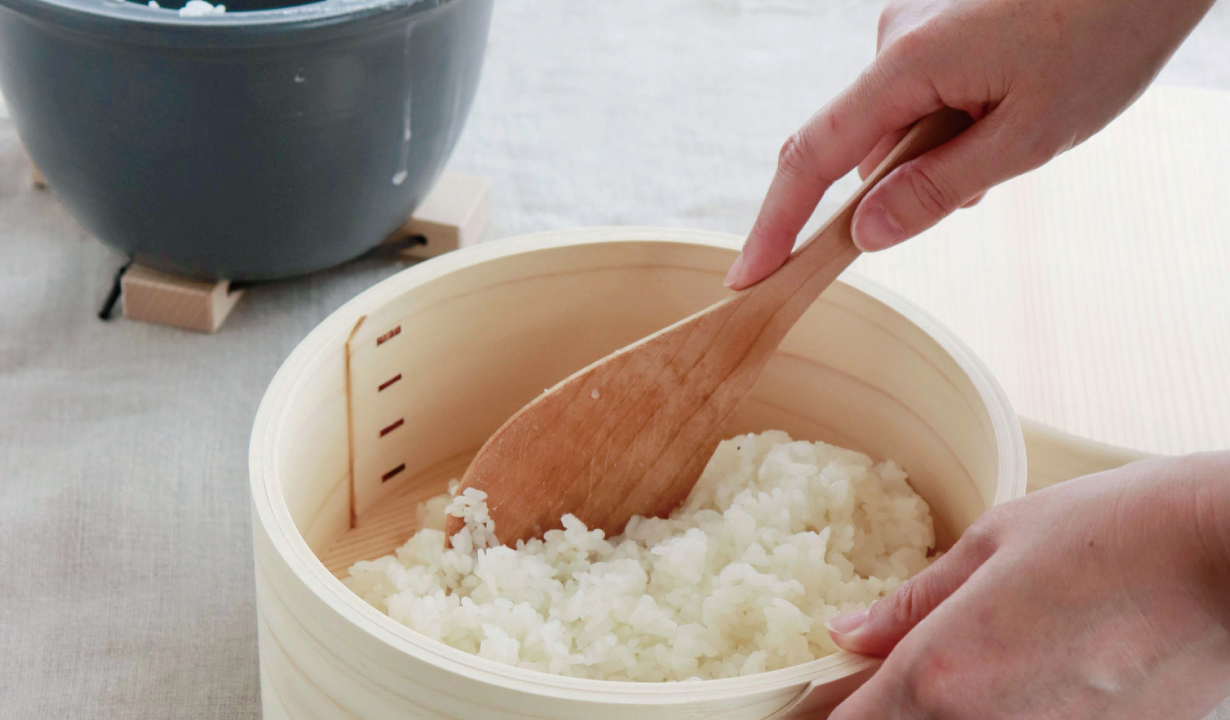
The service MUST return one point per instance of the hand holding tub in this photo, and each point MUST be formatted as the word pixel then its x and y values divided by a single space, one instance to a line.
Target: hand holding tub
pixel 1103 597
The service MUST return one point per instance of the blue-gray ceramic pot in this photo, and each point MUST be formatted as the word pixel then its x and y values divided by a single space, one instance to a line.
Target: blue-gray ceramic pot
pixel 265 142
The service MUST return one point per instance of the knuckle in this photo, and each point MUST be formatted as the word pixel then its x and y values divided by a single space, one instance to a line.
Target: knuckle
pixel 938 683
pixel 983 537
pixel 796 154
pixel 904 607
pixel 909 605
pixel 908 47
pixel 935 194
pixel 1035 140
pixel 935 688
pixel 885 25
pixel 1041 144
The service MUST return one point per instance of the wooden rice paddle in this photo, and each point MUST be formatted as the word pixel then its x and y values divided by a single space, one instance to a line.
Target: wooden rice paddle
pixel 630 434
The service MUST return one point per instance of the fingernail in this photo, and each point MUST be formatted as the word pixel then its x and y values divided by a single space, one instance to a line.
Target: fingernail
pixel 735 272
pixel 876 229
pixel 848 623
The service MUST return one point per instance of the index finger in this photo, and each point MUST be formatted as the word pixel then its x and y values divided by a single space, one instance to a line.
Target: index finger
pixel 883 99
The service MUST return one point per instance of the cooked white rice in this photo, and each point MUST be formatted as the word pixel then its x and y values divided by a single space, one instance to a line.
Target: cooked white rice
pixel 777 538
pixel 201 8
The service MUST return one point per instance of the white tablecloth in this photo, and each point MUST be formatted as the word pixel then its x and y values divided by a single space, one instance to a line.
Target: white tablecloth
pixel 124 530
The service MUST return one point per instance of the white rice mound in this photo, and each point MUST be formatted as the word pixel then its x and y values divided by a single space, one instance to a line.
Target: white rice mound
pixel 777 538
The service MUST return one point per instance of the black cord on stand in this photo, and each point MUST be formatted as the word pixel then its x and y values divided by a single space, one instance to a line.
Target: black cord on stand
pixel 393 247
pixel 104 313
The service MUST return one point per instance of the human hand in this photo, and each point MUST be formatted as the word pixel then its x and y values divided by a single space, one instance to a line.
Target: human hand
pixel 1103 597
pixel 1037 76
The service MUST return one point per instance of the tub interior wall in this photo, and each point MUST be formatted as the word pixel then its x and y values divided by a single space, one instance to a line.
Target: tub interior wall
pixel 475 345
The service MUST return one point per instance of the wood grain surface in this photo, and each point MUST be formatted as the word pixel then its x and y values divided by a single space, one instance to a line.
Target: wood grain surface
pixel 1101 301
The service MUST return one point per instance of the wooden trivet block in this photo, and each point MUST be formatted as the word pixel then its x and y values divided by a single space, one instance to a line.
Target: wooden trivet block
pixel 453 215
pixel 153 297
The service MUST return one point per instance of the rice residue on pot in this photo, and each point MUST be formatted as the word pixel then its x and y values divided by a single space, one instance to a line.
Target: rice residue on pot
pixel 777 537
pixel 200 8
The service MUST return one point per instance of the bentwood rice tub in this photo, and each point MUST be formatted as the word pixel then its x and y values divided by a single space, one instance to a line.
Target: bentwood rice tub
pixel 446 351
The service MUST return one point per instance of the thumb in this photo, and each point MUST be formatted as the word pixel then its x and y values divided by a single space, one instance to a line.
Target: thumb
pixel 927 189
pixel 878 629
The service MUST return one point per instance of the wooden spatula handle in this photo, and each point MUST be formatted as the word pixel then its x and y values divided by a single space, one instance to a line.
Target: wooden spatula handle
pixel 823 256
